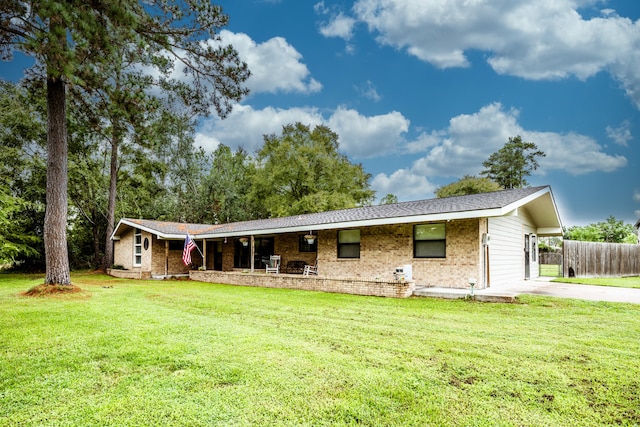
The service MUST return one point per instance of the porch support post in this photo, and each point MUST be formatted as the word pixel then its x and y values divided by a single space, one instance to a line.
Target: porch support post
pixel 204 254
pixel 166 258
pixel 253 251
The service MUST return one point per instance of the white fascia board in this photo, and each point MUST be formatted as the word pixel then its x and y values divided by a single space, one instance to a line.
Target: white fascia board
pixel 357 224
pixel 134 225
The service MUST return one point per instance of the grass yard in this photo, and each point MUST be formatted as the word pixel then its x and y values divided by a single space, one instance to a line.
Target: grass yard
pixel 621 282
pixel 159 353
pixel 550 270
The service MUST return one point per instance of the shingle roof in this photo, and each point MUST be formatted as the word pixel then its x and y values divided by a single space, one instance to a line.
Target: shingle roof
pixel 400 212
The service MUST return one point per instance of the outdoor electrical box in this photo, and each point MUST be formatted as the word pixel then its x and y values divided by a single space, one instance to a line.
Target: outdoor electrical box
pixel 486 239
pixel 404 272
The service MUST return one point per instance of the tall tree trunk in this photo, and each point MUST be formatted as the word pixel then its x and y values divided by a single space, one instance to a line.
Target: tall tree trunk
pixel 111 205
pixel 55 218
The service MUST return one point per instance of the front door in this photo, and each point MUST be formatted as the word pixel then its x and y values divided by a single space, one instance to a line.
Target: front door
pixel 527 258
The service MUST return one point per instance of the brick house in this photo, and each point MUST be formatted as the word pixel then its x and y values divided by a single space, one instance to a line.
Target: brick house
pixel 490 238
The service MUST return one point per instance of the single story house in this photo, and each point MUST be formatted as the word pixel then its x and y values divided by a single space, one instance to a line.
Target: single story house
pixel 488 239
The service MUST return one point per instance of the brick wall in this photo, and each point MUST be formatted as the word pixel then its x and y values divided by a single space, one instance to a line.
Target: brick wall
pixel 310 283
pixel 382 248
pixel 287 246
pixel 158 264
pixel 123 250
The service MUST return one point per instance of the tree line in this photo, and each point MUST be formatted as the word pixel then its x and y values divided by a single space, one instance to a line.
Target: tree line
pixel 161 174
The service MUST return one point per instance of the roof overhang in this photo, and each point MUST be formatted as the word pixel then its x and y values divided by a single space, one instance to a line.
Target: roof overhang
pixel 543 210
pixel 539 205
pixel 361 223
pixel 125 224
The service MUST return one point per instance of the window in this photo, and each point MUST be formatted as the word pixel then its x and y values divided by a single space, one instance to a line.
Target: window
pixel 349 244
pixel 429 241
pixel 304 246
pixel 534 249
pixel 137 248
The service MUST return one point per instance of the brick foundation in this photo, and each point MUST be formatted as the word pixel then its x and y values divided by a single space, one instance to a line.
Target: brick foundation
pixel 308 283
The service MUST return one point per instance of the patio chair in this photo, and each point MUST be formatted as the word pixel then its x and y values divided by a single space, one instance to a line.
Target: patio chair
pixel 274 264
pixel 311 269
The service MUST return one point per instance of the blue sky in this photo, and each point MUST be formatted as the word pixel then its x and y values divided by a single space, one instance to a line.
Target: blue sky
pixel 421 92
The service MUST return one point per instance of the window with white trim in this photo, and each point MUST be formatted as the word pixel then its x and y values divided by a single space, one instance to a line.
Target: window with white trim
pixel 429 241
pixel 137 248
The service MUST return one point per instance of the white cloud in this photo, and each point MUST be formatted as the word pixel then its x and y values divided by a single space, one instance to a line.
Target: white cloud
pixel 275 65
pixel 245 127
pixel 339 26
pixel 533 39
pixel 404 184
pixel 362 136
pixel 359 136
pixel 574 153
pixel 471 138
pixel 369 91
pixel 636 196
pixel 621 135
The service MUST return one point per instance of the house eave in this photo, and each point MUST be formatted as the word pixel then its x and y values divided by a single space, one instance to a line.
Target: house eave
pixel 450 216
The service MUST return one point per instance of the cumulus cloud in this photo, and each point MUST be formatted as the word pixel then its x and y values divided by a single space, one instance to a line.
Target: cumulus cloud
pixel 471 138
pixel 339 26
pixel 275 65
pixel 532 39
pixel 621 134
pixel 403 183
pixel 368 136
pixel 636 196
pixel 359 136
pixel 246 126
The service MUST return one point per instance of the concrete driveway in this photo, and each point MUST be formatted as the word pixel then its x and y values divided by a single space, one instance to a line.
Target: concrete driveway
pixel 586 292
pixel 540 286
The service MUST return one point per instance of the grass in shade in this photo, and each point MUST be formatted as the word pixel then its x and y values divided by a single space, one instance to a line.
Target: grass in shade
pixel 158 353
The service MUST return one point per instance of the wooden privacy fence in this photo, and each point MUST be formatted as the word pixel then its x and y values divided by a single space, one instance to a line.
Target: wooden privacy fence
pixel 554 258
pixel 596 259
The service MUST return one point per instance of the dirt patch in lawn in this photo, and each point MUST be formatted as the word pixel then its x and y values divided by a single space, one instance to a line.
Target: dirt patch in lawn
pixel 65 291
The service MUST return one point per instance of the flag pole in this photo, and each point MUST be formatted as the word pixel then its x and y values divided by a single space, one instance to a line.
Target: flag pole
pixel 196 245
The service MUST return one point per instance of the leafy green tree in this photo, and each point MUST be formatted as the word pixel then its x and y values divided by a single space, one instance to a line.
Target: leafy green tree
pixel 468 185
pixel 224 190
pixel 302 171
pixel 611 231
pixel 389 199
pixel 510 165
pixel 68 38
pixel 22 131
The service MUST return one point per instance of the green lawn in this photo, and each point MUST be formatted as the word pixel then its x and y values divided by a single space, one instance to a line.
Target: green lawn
pixel 145 353
pixel 621 282
pixel 550 270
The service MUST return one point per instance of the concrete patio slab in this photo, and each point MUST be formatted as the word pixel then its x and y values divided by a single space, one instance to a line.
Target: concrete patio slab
pixel 538 286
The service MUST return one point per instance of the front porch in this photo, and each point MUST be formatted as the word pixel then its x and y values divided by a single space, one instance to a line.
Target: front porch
pixel 354 286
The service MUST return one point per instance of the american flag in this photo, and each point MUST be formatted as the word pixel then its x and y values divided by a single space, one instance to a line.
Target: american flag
pixel 186 252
